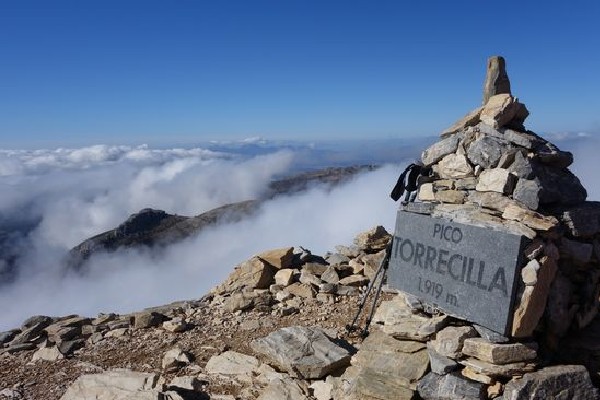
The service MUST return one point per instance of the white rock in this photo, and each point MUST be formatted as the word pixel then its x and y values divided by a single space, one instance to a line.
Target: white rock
pixel 233 364
pixel 496 180
pixel 47 354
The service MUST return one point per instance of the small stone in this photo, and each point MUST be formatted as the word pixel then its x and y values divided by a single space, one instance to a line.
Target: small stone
pixel 315 268
pixel 449 341
pixel 330 275
pixel 354 280
pixel 477 377
pixel 328 288
pixel 449 387
pixel 322 390
pixel 503 110
pixel 47 354
pixel 486 152
pixel 177 324
pixel 497 353
pixel 450 196
pixel 529 273
pixel 252 274
pixel 495 370
pixel 496 180
pixel 373 240
pixel 278 258
pixel 439 364
pixel 426 192
pixel 494 390
pixel 186 383
pixel 530 218
pixel 527 192
pixel 301 290
pixel 471 119
pixel 147 320
pixel 175 359
pixel 438 150
pixel 284 276
pixel 308 278
pixel 454 166
pixel 416 327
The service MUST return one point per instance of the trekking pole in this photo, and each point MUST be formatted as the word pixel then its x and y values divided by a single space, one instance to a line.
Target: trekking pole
pixel 381 270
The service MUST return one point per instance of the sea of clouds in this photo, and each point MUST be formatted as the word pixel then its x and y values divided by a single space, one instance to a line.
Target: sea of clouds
pixel 51 200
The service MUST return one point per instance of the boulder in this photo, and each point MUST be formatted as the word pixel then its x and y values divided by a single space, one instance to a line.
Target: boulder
pixel 304 352
pixel 175 325
pixel 147 319
pixel 557 382
pixel 115 385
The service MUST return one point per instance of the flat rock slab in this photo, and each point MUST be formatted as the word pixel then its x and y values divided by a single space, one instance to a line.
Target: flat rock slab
pixel 304 352
pixel 553 383
pixel 114 385
pixel 231 363
pixel 499 353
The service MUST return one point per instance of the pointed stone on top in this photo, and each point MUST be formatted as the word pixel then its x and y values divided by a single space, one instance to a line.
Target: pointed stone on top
pixel 496 79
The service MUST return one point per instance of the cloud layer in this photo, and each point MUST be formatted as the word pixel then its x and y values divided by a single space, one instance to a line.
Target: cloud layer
pixel 70 195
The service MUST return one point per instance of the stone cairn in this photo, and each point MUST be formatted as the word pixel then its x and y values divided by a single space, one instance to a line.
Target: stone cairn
pixel 489 171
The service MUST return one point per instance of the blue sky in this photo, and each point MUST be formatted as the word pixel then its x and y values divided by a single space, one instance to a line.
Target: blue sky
pixel 83 72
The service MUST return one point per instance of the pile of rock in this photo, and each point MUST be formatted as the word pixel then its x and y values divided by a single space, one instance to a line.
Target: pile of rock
pixel 282 280
pixel 489 171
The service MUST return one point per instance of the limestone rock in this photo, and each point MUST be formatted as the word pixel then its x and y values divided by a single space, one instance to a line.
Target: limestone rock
pixel 426 192
pixel 552 383
pixel 383 366
pixel 253 274
pixel 497 353
pixel 416 327
pixel 301 290
pixel 304 352
pixel 282 389
pixel 373 240
pixel 438 150
pixel 450 196
pixel 503 110
pixel 278 258
pixel 440 364
pixel 322 390
pixel 115 385
pixel 449 341
pixel 495 370
pixel 496 78
pixel 527 192
pixel 496 180
pixel 47 354
pixel 186 383
pixel 175 359
pixel 486 152
pixel 471 119
pixel 230 363
pixel 330 275
pixel 449 387
pixel 284 276
pixel 521 166
pixel 532 302
pixel 177 324
pixel 530 218
pixel 491 200
pixel 147 319
pixel 454 166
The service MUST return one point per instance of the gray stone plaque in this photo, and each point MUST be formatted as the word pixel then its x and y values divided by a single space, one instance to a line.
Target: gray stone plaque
pixel 462 270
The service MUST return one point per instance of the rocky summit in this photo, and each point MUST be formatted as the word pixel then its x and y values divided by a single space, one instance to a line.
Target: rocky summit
pixel 276 327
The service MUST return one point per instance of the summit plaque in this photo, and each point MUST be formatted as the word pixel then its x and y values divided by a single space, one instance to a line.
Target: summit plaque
pixel 462 270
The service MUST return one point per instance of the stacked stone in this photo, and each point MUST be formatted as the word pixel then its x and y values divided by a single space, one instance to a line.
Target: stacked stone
pixel 281 281
pixel 489 171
